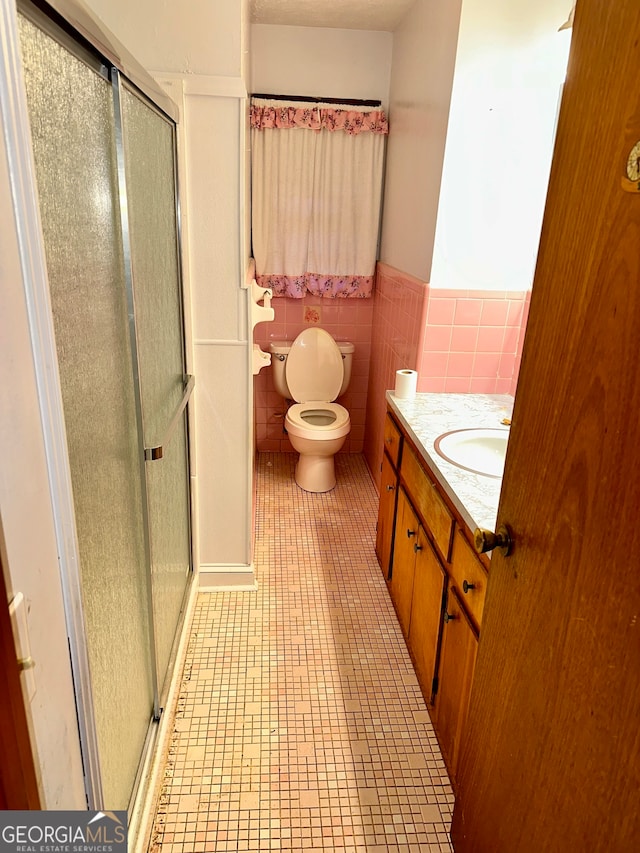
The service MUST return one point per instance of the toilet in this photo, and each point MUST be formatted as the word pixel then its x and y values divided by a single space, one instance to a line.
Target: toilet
pixel 314 371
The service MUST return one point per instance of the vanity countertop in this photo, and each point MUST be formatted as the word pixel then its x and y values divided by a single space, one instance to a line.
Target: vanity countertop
pixel 427 416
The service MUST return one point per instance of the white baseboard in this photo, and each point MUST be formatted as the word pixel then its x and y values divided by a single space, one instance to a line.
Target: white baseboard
pixel 226 578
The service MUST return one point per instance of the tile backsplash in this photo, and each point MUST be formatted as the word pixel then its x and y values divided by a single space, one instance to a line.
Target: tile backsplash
pixel 472 341
pixel 458 341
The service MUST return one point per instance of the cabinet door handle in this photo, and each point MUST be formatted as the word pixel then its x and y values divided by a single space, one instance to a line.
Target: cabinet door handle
pixel 391 488
pixel 448 617
pixel 410 533
pixel 417 547
pixel 466 586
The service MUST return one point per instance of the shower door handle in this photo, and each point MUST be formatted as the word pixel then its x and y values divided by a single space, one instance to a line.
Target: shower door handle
pixel 157 451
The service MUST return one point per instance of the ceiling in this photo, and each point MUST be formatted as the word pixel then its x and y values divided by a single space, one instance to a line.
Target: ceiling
pixel 382 15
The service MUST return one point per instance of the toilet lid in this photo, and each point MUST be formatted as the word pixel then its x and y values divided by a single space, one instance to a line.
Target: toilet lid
pixel 314 368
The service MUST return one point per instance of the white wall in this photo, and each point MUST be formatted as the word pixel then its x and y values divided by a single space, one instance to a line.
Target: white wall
pixel 510 64
pixel 424 48
pixel 200 52
pixel 319 62
pixel 197 37
pixel 223 413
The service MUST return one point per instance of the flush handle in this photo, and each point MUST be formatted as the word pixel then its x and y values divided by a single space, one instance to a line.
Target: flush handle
pixel 486 540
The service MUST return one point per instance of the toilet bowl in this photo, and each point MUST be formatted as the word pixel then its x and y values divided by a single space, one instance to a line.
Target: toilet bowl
pixel 314 371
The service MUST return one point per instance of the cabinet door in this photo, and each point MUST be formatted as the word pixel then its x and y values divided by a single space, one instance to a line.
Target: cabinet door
pixel 469 576
pixel 386 515
pixel 404 560
pixel 426 611
pixel 426 497
pixel 457 661
pixel 392 439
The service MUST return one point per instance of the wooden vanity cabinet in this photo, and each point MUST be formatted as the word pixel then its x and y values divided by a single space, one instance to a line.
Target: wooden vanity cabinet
pixel 388 495
pixel 437 584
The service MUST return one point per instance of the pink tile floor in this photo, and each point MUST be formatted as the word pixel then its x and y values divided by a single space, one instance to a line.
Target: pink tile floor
pixel 300 724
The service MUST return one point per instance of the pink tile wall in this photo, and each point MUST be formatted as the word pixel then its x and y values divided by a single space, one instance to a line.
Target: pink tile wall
pixel 472 341
pixel 458 341
pixel 399 315
pixel 523 328
pixel 345 320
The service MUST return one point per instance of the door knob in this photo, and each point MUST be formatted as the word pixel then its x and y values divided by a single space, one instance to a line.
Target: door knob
pixel 486 540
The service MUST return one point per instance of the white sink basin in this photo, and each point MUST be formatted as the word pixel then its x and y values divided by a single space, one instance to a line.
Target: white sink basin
pixel 481 451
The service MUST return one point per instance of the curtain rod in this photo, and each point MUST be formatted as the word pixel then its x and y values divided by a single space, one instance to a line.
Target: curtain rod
pixel 352 102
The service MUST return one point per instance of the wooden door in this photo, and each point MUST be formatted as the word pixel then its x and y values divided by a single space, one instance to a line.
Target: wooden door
pixel 404 560
pixel 18 779
pixel 386 514
pixel 457 660
pixel 551 754
pixel 426 613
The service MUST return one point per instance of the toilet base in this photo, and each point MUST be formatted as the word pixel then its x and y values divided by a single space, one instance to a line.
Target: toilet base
pixel 315 473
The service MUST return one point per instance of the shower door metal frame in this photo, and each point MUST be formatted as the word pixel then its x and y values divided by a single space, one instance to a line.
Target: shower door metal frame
pixel 74 27
pixel 152 453
pixel 135 366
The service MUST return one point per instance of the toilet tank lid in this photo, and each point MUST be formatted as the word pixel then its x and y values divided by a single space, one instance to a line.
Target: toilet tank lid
pixel 283 347
pixel 280 347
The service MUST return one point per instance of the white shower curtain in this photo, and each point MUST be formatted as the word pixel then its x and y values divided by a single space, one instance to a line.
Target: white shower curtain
pixel 316 194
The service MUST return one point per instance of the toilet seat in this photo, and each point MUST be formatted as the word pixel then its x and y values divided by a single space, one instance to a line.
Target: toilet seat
pixel 318 420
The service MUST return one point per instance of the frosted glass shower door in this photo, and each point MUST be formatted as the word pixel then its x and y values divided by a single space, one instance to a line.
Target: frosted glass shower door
pixel 71 114
pixel 149 158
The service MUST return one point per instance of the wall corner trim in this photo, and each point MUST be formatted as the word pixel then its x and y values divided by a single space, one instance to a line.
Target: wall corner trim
pixel 203 84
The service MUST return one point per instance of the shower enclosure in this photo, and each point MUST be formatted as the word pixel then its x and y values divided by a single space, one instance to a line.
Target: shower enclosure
pixel 105 163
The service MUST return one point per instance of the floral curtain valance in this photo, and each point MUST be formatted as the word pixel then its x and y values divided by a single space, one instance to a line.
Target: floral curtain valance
pixel 318 118
pixel 316 197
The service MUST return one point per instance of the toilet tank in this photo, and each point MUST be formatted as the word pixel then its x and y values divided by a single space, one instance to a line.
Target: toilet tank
pixel 347 349
pixel 279 352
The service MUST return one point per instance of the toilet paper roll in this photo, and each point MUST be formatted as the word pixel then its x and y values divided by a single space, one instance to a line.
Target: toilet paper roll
pixel 406 382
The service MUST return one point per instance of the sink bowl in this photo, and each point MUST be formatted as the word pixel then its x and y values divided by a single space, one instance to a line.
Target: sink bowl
pixel 481 451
